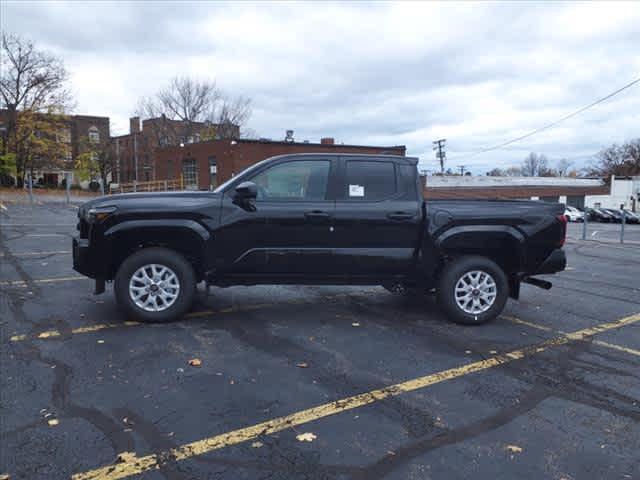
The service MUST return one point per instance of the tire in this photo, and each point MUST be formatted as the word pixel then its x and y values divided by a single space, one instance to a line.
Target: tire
pixel 481 306
pixel 174 280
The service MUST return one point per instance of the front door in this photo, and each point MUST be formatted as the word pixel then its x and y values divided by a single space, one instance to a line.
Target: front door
pixel 289 233
pixel 378 216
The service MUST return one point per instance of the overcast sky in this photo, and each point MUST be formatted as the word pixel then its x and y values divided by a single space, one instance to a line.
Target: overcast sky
pixel 476 74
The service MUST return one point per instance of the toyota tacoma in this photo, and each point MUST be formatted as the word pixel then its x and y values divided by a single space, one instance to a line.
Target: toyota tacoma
pixel 318 219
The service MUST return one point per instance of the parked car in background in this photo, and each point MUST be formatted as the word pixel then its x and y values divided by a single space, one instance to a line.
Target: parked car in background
pixel 598 215
pixel 615 214
pixel 573 214
pixel 631 217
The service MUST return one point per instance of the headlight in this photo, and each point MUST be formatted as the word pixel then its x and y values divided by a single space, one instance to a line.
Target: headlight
pixel 98 214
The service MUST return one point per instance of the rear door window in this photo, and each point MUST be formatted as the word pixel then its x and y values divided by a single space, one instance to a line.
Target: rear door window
pixel 370 180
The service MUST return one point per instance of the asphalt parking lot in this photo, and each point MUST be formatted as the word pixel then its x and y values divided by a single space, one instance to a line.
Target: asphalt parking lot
pixel 315 382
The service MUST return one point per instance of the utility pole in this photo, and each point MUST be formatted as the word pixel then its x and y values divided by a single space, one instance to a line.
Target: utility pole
pixel 135 153
pixel 438 146
pixel 462 169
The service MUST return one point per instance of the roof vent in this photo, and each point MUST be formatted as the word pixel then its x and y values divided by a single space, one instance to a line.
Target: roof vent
pixel 289 137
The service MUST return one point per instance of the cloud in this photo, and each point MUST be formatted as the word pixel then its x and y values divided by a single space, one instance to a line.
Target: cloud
pixel 407 73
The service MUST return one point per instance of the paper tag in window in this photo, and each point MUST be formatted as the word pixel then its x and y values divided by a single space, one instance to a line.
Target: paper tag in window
pixel 356 191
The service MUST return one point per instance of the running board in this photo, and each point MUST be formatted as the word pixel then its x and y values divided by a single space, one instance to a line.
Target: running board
pixel 536 282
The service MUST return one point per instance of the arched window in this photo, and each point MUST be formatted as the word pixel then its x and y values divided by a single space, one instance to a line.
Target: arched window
pixel 94 134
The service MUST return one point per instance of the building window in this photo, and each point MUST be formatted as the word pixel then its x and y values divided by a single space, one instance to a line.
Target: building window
pixel 190 174
pixel 64 136
pixel 213 173
pixel 94 134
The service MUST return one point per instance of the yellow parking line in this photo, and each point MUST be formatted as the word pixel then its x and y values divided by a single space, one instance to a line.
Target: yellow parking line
pixel 612 346
pixel 524 322
pixel 202 313
pixel 620 348
pixel 134 465
pixel 23 283
pixel 58 333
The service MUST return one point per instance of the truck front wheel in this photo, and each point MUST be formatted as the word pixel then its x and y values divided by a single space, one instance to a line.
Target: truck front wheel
pixel 155 285
pixel 472 290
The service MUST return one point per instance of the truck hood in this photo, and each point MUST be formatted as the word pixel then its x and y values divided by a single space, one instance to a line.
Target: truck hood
pixel 152 201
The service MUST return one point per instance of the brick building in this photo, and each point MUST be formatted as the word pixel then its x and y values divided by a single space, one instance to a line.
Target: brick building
pixel 77 131
pixel 135 152
pixel 207 164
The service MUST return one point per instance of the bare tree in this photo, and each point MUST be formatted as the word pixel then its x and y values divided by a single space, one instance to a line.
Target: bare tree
pixel 563 167
pixel 513 172
pixel 495 172
pixel 188 107
pixel 534 165
pixel 31 82
pixel 618 160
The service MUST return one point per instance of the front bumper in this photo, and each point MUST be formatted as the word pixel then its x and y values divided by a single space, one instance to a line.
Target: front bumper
pixel 555 262
pixel 81 257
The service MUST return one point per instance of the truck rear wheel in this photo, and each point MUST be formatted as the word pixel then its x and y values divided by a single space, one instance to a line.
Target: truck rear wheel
pixel 472 290
pixel 155 285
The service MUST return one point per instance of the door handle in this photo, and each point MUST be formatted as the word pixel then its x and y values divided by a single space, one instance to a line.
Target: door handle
pixel 400 216
pixel 316 214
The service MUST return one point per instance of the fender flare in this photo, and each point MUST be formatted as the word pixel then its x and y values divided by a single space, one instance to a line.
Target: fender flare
pixel 192 225
pixel 120 238
pixel 475 229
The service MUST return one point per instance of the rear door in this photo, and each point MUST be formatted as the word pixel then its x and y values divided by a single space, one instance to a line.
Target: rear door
pixel 377 217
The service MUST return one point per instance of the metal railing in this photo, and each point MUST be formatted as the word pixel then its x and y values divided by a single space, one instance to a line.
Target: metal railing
pixel 151 186
pixel 586 223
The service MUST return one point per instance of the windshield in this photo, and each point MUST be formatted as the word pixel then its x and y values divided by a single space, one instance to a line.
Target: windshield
pixel 222 187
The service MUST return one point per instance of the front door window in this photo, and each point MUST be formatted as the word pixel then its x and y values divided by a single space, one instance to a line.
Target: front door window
pixel 304 180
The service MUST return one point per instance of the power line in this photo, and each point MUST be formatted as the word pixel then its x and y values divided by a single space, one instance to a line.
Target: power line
pixel 552 124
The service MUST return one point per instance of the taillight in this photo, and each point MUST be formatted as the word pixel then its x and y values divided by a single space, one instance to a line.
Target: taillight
pixel 563 226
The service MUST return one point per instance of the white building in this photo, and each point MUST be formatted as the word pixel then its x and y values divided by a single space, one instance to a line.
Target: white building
pixel 624 191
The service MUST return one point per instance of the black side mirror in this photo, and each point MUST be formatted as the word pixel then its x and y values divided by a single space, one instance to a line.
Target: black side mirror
pixel 246 193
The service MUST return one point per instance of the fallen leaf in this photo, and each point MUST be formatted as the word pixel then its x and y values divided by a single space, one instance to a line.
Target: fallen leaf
pixel 53 422
pixel 306 437
pixel 355 324
pixel 195 362
pixel 125 457
pixel 514 448
pixel 257 444
pixel 302 365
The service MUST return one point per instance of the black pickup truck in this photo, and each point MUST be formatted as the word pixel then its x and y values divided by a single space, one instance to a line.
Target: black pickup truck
pixel 318 219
